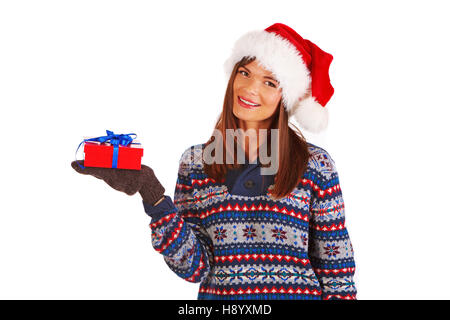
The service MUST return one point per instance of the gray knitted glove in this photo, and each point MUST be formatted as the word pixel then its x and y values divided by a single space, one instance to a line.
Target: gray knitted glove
pixel 143 181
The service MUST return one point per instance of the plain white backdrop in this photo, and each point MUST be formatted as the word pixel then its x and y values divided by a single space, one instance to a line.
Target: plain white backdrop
pixel 70 69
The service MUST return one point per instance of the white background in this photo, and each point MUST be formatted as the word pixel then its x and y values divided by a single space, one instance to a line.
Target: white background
pixel 70 69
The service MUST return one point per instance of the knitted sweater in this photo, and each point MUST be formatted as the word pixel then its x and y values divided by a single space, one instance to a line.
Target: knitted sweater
pixel 239 243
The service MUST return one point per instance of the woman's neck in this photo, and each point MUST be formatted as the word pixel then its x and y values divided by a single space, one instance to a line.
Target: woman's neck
pixel 251 148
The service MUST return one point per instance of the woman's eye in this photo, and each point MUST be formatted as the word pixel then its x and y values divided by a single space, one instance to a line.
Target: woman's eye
pixel 271 84
pixel 244 73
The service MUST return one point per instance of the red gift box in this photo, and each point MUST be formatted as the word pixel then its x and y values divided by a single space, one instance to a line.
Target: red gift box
pixel 98 154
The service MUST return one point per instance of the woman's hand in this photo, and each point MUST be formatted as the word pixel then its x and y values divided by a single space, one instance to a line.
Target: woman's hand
pixel 143 181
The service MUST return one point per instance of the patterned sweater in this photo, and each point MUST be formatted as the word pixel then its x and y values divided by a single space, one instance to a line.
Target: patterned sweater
pixel 239 243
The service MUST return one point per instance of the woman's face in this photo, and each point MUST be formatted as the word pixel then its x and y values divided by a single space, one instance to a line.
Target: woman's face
pixel 256 95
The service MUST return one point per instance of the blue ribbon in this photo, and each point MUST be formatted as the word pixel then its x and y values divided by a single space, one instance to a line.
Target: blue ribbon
pixel 115 140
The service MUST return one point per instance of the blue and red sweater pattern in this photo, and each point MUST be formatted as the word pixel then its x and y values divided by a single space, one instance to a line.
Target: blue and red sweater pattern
pixel 239 243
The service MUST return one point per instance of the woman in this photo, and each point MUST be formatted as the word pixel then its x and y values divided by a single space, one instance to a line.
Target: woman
pixel 246 233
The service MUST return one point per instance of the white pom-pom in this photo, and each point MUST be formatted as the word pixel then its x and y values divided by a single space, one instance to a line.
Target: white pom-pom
pixel 310 115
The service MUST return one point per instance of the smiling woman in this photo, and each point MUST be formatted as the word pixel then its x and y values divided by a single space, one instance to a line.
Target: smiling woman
pixel 227 211
pixel 242 233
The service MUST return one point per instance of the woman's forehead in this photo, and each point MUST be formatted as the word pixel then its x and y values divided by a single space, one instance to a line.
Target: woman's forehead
pixel 256 67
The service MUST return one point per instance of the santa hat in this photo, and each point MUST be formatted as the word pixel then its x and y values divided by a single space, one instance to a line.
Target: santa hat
pixel 299 65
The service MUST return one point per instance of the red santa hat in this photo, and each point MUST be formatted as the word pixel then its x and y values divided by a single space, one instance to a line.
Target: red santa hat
pixel 299 65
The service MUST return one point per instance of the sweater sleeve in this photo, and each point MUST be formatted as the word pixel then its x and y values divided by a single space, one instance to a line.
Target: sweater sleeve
pixel 176 229
pixel 330 248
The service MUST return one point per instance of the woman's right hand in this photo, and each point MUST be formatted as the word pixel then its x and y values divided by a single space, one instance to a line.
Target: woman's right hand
pixel 143 181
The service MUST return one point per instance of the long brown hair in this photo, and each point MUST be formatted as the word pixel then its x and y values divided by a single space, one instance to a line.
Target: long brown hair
pixel 292 146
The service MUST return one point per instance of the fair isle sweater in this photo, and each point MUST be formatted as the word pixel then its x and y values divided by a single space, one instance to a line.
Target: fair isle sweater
pixel 239 243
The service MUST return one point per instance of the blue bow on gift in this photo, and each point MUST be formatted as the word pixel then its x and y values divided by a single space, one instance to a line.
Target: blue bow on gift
pixel 115 140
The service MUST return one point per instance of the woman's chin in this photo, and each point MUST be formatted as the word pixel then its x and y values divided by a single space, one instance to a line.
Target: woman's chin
pixel 245 114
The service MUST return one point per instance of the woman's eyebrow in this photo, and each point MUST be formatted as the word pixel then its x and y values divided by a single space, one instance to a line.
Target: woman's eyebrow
pixel 272 79
pixel 246 69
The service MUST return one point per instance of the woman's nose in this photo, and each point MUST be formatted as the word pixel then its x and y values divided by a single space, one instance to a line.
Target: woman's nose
pixel 253 87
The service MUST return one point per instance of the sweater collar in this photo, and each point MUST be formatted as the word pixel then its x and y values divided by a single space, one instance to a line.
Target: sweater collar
pixel 248 180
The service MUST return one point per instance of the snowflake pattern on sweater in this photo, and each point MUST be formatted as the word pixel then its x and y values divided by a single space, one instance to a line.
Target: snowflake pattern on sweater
pixel 241 246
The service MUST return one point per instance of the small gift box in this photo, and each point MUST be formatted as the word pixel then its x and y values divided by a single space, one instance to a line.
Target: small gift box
pixel 113 151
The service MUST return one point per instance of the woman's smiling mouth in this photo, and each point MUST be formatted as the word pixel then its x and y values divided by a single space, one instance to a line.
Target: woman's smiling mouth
pixel 247 103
